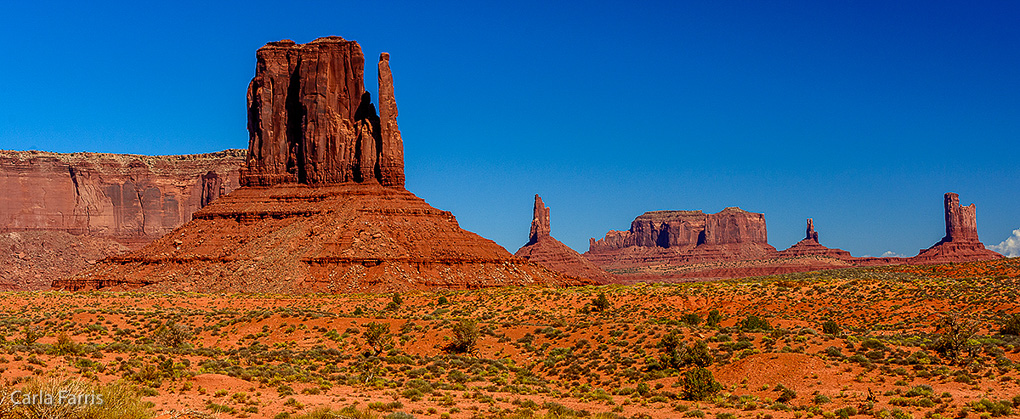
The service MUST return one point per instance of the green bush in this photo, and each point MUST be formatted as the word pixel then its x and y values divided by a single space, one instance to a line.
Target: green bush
pixel 465 336
pixel 699 384
pixel 676 354
pixel 713 318
pixel 377 336
pixel 1012 325
pixel 753 322
pixel 830 327
pixel 600 303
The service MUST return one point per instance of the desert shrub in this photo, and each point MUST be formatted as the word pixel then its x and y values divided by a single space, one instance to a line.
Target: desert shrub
pixel 952 335
pixel 377 336
pixel 830 327
pixel 713 318
pixel 922 390
pixel 65 346
pixel 465 335
pixel 172 335
pixel 442 300
pixel 753 322
pixel 846 412
pixel 786 394
pixel 395 302
pixel 676 354
pixel 699 384
pixel 993 407
pixel 349 412
pixel 692 319
pixel 1011 326
pixel 600 303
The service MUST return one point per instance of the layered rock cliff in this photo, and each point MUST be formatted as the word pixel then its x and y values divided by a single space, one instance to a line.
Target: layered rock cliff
pixel 129 198
pixel 545 250
pixel 323 207
pixel 683 237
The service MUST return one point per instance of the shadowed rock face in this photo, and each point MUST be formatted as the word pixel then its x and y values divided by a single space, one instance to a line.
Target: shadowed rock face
pixel 310 120
pixel 544 250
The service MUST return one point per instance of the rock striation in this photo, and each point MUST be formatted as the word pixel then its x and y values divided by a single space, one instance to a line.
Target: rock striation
pixel 961 243
pixel 544 250
pixel 675 237
pixel 311 121
pixel 810 246
pixel 322 207
pixel 131 199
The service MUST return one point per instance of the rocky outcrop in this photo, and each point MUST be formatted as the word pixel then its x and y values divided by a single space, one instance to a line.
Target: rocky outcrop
pixel 324 208
pixel 32 260
pixel 810 246
pixel 544 250
pixel 540 227
pixel 961 243
pixel 675 237
pixel 129 198
pixel 311 121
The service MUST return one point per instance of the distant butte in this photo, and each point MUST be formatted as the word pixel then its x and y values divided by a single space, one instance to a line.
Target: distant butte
pixel 323 206
pixel 811 246
pixel 544 250
pixel 682 237
pixel 960 243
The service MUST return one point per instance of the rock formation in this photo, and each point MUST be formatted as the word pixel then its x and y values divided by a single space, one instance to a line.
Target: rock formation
pixel 544 250
pixel 960 243
pixel 128 198
pixel 675 237
pixel 323 208
pixel 540 227
pixel 311 121
pixel 810 246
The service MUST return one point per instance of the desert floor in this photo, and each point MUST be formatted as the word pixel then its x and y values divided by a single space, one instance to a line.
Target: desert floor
pixel 906 341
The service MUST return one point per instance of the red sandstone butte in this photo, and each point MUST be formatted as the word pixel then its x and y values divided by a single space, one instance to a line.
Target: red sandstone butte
pixel 960 243
pixel 810 246
pixel 323 206
pixel 544 250
pixel 678 237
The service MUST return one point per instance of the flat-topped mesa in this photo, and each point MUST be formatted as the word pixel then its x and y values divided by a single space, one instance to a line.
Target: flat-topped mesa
pixel 961 221
pixel 811 233
pixel 539 222
pixel 311 121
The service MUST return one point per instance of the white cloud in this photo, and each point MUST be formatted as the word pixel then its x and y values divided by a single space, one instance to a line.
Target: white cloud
pixel 891 254
pixel 1010 247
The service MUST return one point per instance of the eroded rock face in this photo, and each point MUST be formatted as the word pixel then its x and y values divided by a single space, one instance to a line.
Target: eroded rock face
pixel 546 251
pixel 961 242
pixel 811 233
pixel 311 121
pixel 683 237
pixel 131 199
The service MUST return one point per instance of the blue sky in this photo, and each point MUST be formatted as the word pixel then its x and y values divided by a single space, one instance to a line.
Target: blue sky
pixel 858 114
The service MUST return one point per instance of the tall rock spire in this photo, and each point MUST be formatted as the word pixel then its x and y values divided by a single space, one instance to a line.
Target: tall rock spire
pixel 811 233
pixel 961 221
pixel 391 163
pixel 540 221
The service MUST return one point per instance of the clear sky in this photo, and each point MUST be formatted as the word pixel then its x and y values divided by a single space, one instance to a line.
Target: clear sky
pixel 858 114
